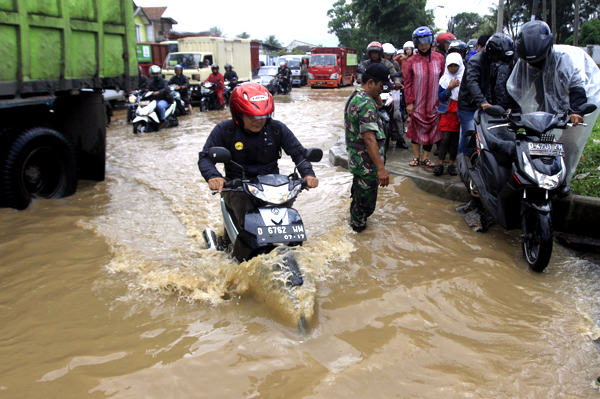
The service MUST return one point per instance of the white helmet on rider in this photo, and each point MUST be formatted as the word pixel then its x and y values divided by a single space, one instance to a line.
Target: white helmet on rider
pixel 389 49
pixel 155 71
pixel 409 44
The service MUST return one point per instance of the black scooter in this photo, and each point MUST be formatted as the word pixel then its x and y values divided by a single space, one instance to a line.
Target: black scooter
pixel 271 226
pixel 515 170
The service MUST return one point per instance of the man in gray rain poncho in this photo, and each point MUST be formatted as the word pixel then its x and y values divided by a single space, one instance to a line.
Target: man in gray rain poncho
pixel 556 79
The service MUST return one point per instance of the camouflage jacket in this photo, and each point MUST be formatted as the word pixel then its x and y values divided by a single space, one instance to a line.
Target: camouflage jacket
pixel 360 115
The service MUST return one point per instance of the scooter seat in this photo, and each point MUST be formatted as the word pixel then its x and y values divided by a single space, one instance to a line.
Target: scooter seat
pixel 500 140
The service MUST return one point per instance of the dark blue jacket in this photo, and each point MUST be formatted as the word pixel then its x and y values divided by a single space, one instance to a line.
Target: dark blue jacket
pixel 257 152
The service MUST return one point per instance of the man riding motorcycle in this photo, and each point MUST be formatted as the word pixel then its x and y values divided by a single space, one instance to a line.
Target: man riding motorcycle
pixel 285 74
pixel 217 79
pixel 183 83
pixel 231 76
pixel 375 54
pixel 162 93
pixel 389 51
pixel 255 141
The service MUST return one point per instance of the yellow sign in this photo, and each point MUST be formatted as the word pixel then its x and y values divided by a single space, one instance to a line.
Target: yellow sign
pixel 239 145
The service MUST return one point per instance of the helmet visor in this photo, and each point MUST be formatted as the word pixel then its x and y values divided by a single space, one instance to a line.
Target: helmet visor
pixel 423 40
pixel 255 117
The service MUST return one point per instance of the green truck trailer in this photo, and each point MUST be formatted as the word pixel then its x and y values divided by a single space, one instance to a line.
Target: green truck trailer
pixel 56 57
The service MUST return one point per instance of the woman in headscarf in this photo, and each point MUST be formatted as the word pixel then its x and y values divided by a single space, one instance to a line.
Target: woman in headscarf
pixel 449 124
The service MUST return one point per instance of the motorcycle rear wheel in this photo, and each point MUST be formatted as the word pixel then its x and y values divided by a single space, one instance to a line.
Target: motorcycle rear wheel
pixel 203 106
pixel 537 239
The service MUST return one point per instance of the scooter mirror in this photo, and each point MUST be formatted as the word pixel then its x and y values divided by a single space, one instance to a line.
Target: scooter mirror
pixel 495 110
pixel 399 74
pixel 587 108
pixel 314 154
pixel 219 155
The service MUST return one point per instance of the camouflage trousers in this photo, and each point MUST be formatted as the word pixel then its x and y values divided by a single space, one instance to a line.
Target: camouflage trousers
pixel 364 199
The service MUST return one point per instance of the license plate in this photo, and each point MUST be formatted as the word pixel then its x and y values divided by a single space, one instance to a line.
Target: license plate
pixel 548 149
pixel 288 233
pixel 321 83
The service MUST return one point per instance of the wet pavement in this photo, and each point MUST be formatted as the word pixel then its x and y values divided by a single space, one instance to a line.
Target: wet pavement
pixel 112 292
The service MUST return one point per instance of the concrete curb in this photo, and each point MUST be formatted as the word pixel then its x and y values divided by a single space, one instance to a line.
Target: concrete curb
pixel 575 214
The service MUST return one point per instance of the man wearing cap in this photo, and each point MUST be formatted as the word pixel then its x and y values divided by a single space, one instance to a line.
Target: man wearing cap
pixel 365 141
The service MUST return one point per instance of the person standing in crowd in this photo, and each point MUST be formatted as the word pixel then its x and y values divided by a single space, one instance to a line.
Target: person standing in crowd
pixel 475 91
pixel 218 80
pixel 449 124
pixel 183 83
pixel 365 141
pixel 421 84
pixel 388 53
pixel 482 41
pixel 442 42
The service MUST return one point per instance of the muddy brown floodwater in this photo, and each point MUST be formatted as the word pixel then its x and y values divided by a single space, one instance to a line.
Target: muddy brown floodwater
pixel 111 292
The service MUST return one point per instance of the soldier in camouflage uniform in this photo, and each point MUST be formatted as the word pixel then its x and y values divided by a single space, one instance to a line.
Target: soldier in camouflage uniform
pixel 365 141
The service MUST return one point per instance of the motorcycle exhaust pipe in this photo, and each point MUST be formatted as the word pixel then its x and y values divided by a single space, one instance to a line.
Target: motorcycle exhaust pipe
pixel 473 189
pixel 211 238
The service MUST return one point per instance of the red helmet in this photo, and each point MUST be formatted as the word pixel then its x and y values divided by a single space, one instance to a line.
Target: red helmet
pixel 442 37
pixel 375 46
pixel 251 99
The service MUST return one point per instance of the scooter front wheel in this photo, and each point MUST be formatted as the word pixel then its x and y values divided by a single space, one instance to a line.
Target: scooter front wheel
pixel 537 239
pixel 140 127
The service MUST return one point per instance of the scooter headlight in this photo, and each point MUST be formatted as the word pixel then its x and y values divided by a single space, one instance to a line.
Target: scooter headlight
pixel 275 195
pixel 132 99
pixel 548 182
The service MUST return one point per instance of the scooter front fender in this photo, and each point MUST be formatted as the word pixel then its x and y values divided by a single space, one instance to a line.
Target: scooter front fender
pixel 140 118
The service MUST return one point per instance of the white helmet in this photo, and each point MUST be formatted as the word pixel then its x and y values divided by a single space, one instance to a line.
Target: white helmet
pixel 154 69
pixel 388 48
pixel 409 44
pixel 399 51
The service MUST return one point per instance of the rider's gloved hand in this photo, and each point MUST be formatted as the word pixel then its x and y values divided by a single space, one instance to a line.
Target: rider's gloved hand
pixel 216 184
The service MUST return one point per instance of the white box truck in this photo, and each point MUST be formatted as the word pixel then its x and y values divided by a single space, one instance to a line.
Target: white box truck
pixel 195 53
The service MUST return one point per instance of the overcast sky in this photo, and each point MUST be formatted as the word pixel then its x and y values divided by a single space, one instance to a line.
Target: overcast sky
pixel 288 20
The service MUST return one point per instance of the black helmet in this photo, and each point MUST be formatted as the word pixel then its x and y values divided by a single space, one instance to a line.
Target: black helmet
pixel 458 46
pixel 227 66
pixel 213 66
pixel 178 68
pixel 534 41
pixel 500 47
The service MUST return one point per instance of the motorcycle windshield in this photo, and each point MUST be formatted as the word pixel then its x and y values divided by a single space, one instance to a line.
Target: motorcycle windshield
pixel 539 121
pixel 547 90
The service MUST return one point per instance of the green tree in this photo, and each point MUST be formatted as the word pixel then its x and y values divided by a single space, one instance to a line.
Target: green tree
pixel 467 24
pixel 215 31
pixel 272 41
pixel 362 21
pixel 589 33
pixel 243 35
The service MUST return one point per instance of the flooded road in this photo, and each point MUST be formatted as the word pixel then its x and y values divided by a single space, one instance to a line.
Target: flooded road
pixel 111 292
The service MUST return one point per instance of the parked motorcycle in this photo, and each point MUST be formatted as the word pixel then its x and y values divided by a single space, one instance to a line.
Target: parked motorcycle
pixel 517 167
pixel 146 119
pixel 208 99
pixel 272 225
pixel 133 101
pixel 181 106
pixel 227 89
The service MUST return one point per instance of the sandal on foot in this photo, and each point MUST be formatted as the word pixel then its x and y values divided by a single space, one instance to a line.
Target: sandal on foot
pixel 414 162
pixel 427 162
pixel 438 170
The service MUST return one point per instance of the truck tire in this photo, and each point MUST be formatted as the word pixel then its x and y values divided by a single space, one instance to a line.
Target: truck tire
pixel 39 163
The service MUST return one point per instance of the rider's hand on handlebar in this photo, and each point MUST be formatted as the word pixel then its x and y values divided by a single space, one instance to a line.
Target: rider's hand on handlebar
pixel 156 93
pixel 575 119
pixel 216 184
pixel 484 106
pixel 384 177
pixel 311 182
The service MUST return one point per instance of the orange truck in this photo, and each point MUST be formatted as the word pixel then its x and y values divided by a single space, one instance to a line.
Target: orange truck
pixel 332 67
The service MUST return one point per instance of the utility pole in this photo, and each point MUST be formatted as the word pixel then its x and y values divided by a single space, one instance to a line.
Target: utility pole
pixel 544 11
pixel 500 22
pixel 534 9
pixel 553 11
pixel 576 25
